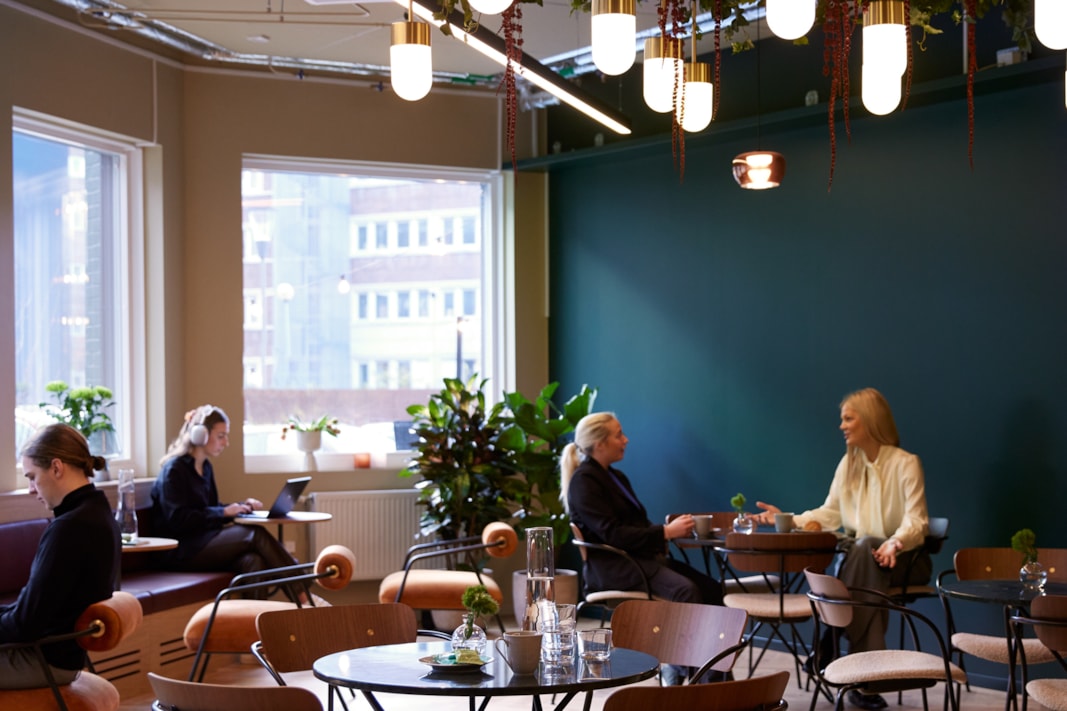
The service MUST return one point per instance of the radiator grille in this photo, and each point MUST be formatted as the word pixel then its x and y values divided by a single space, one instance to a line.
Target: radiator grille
pixel 378 526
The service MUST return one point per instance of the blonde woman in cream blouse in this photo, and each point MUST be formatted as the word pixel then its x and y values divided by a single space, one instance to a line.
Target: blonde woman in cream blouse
pixel 878 497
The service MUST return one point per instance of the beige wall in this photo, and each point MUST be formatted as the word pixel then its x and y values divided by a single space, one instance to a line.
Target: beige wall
pixel 200 122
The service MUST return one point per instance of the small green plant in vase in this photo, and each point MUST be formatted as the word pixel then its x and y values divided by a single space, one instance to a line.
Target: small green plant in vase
pixel 1032 574
pixel 479 603
pixel 309 436
pixel 743 523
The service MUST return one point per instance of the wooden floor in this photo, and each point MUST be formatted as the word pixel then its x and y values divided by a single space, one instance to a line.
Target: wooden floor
pixel 249 673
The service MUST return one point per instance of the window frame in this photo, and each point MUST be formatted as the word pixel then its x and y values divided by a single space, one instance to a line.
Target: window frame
pixel 129 315
pixel 496 304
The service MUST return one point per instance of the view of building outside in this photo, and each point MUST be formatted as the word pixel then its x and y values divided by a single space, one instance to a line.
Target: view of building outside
pixel 69 242
pixel 360 295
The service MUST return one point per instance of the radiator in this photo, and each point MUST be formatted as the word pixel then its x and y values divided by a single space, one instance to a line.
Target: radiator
pixel 378 526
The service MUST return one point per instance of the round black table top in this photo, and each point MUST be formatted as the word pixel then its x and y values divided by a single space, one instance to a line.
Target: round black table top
pixel 1001 592
pixel 396 668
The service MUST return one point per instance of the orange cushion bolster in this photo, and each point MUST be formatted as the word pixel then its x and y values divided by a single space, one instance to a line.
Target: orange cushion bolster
pixel 435 589
pixel 235 625
pixel 88 692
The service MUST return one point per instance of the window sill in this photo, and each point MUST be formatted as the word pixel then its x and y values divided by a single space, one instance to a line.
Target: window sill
pixel 325 462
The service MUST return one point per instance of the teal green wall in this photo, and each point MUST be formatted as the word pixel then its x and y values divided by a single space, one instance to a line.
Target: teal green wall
pixel 723 326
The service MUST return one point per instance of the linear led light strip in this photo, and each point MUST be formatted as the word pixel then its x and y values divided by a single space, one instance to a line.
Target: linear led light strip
pixel 531 70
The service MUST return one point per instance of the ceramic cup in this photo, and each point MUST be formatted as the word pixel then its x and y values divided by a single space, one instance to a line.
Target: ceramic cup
pixel 702 525
pixel 521 650
pixel 783 522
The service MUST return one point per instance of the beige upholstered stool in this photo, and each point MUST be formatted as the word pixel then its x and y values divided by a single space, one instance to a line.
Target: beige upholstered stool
pixel 443 589
pixel 228 626
pixel 101 627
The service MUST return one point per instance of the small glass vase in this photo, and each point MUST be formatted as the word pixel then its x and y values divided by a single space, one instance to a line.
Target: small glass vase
pixel 744 523
pixel 477 640
pixel 1033 576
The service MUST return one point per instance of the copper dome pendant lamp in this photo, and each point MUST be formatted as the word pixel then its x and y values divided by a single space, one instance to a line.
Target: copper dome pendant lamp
pixel 759 169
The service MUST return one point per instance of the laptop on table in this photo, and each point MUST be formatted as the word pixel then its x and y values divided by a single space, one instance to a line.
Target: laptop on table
pixel 285 501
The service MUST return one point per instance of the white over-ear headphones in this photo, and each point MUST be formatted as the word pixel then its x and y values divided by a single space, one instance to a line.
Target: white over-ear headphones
pixel 198 432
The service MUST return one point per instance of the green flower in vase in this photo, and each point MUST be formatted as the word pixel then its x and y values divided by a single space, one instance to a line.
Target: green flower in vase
pixel 479 603
pixel 1024 541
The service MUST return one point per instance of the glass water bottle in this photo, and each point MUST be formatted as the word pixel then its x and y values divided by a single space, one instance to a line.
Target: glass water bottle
pixel 540 573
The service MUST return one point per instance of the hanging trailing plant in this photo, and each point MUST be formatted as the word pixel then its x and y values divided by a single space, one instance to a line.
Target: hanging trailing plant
pixel 511 28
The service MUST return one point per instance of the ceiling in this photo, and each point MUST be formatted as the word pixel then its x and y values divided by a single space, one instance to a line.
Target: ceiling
pixel 331 36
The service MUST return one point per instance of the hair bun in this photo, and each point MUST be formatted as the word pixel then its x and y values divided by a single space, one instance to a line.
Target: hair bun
pixel 98 463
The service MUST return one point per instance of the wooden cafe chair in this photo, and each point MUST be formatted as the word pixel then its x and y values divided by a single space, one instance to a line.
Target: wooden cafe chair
pixel 784 555
pixel 877 671
pixel 228 625
pixel 176 695
pixel 1048 616
pixel 702 637
pixel 758 693
pixel 997 564
pixel 100 628
pixel 291 640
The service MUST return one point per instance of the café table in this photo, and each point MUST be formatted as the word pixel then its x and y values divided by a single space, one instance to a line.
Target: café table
pixel 1013 598
pixel 395 668
pixel 706 546
pixel 143 544
pixel 293 518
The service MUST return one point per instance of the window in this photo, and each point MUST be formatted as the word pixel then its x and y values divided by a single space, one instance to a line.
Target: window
pixel 74 288
pixel 363 355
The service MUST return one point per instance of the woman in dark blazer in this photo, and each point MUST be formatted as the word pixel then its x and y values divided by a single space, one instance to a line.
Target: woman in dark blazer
pixel 602 503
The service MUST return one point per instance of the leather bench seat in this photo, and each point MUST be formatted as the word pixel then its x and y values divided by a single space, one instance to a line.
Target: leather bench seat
pixel 159 590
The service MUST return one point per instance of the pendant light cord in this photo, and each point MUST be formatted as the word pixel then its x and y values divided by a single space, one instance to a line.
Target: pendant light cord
pixel 759 85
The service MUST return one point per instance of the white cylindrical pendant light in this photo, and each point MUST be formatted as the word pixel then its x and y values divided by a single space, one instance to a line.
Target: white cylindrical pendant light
pixel 1050 23
pixel 790 19
pixel 410 64
pixel 698 98
pixel 880 90
pixel 614 35
pixel 759 170
pixel 490 7
pixel 885 39
pixel 662 72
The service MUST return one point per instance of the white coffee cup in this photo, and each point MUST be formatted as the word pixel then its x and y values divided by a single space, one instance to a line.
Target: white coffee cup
pixel 702 525
pixel 521 650
pixel 783 522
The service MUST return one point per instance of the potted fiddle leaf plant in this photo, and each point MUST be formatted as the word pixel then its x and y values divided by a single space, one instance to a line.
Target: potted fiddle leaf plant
pixel 464 457
pixel 547 429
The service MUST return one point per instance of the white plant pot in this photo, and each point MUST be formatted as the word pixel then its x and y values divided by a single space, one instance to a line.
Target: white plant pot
pixel 565 587
pixel 309 443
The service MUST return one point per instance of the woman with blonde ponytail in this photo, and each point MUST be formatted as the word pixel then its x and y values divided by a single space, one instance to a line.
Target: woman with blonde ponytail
pixel 602 503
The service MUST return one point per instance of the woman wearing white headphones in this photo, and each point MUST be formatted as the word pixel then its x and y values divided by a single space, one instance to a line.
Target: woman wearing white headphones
pixel 185 505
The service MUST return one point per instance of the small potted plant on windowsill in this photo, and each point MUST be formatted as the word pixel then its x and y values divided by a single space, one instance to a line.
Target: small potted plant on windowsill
pixel 309 435
pixel 84 410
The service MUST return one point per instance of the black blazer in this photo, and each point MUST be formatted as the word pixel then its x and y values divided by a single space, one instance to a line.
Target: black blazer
pixel 605 514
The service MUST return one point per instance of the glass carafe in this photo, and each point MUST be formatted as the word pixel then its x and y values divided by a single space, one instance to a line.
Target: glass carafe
pixel 126 512
pixel 540 573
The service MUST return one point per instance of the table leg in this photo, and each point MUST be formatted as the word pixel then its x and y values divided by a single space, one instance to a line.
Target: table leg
pixel 370 700
pixel 1011 702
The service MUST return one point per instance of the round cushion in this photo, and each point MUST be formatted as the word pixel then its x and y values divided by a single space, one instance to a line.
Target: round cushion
pixel 341 560
pixel 498 532
pixel 88 692
pixel 435 589
pixel 118 616
pixel 234 629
